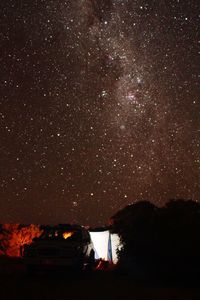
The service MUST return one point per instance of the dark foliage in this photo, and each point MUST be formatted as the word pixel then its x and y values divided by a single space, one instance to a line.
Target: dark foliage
pixel 160 242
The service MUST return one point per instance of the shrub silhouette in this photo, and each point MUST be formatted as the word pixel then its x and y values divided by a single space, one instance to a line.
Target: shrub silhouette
pixel 162 240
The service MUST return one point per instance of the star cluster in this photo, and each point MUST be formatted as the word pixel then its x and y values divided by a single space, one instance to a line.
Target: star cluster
pixel 99 107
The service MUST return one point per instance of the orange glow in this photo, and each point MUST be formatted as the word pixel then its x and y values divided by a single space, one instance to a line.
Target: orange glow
pixel 13 236
pixel 67 234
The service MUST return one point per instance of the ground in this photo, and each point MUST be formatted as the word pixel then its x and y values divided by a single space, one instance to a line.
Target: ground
pixel 17 284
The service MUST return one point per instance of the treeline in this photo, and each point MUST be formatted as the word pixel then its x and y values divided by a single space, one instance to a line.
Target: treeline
pixel 160 242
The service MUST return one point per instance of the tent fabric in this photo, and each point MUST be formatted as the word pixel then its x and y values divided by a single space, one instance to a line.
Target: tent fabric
pixel 100 241
pixel 105 245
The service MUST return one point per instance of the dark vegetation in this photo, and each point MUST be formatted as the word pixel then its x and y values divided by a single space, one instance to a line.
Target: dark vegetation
pixel 160 243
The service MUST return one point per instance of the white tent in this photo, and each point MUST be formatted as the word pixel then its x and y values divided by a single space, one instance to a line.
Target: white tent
pixel 105 245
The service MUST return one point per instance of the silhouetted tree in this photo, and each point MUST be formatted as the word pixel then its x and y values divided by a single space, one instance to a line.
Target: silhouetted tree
pixel 160 240
pixel 13 236
pixel 178 239
pixel 135 225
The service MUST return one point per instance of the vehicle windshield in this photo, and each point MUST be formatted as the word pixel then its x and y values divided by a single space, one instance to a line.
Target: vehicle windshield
pixel 57 234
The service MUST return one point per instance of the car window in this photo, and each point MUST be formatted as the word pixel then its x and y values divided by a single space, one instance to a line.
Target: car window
pixel 72 235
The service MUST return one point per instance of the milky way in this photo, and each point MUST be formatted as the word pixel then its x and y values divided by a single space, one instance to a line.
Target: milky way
pixel 99 107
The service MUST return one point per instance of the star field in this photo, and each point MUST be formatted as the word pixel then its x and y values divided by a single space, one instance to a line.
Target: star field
pixel 99 107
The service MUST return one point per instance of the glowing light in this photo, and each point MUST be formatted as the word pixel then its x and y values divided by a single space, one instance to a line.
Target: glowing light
pixel 67 234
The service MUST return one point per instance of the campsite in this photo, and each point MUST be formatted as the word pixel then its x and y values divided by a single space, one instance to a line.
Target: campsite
pixel 99 150
pixel 110 279
pixel 146 252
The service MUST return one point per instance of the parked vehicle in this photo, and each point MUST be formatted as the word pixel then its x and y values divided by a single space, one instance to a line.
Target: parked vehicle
pixel 64 246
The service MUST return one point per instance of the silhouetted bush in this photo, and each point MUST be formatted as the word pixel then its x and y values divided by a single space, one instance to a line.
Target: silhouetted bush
pixel 160 242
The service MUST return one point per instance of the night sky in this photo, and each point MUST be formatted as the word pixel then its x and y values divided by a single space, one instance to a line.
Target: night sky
pixel 99 107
